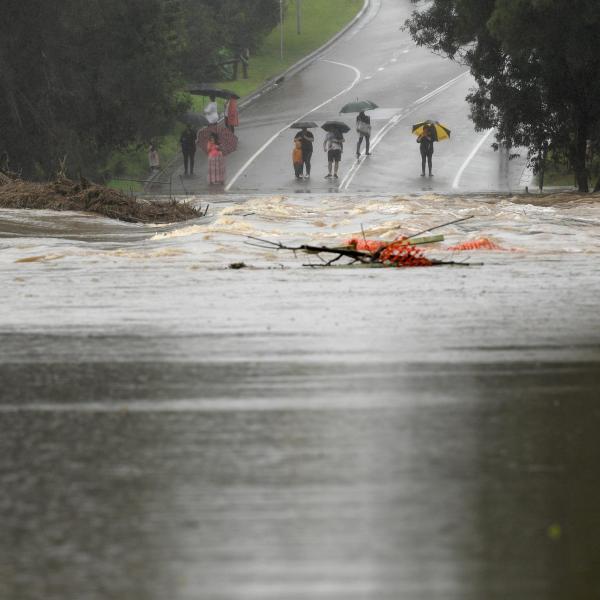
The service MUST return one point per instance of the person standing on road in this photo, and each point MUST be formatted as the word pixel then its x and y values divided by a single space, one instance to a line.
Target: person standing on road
pixel 216 161
pixel 334 146
pixel 232 117
pixel 211 111
pixel 297 158
pixel 426 140
pixel 188 149
pixel 306 139
pixel 363 128
pixel 153 159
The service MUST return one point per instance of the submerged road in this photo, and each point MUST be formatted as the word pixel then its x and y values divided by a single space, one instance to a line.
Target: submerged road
pixel 174 429
pixel 375 60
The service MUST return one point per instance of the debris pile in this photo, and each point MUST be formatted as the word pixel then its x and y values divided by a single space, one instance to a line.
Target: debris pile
pixel 402 252
pixel 65 194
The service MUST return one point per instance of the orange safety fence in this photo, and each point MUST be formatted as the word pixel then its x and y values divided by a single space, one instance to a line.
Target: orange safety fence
pixel 399 253
pixel 479 244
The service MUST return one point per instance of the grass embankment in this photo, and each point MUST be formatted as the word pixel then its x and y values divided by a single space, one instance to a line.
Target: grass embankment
pixel 320 22
pixel 65 194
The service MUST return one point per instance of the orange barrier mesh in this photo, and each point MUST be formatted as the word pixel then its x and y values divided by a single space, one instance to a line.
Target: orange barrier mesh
pixel 403 254
pixel 480 244
pixel 365 245
pixel 399 253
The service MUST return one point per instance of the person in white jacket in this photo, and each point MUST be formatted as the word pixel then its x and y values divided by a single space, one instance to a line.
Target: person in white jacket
pixel 211 111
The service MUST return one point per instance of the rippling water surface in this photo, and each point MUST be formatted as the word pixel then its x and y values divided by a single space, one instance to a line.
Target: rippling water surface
pixel 172 428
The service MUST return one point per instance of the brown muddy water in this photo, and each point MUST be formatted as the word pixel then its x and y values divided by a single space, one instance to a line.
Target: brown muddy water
pixel 174 429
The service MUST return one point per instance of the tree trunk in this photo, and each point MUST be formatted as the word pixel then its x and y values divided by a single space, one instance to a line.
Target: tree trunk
pixel 597 186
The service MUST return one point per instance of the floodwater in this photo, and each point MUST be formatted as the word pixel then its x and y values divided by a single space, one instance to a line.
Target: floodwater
pixel 174 429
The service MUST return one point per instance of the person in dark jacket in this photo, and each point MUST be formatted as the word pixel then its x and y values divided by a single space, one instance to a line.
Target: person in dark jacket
pixel 307 139
pixel 188 148
pixel 363 128
pixel 425 141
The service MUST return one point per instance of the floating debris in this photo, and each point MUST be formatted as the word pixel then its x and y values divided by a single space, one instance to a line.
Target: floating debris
pixel 65 194
pixel 401 252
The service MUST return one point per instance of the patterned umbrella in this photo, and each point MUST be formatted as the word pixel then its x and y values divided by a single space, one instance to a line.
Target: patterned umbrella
pixel 440 132
pixel 228 142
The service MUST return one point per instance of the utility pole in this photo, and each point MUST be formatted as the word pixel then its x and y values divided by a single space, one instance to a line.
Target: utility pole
pixel 281 27
pixel 299 16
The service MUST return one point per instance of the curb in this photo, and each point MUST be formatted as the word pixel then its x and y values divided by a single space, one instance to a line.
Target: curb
pixel 276 80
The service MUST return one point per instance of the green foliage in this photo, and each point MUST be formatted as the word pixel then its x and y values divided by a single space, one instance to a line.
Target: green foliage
pixel 320 22
pixel 78 80
pixel 96 81
pixel 536 65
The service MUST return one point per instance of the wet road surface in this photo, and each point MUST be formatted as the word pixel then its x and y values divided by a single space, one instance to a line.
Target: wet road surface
pixel 378 61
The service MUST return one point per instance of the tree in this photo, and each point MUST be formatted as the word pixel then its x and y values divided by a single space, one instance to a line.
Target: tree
pixel 80 80
pixel 536 65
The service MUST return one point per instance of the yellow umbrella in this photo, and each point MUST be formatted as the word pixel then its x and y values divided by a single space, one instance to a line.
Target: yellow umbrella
pixel 441 132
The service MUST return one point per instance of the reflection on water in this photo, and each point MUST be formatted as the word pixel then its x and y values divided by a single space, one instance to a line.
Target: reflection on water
pixel 172 429
pixel 481 494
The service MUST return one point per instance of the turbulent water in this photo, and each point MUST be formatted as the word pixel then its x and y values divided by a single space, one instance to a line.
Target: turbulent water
pixel 174 428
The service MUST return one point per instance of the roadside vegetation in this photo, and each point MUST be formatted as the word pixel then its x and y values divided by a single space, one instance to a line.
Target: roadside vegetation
pixel 536 65
pixel 320 21
pixel 91 85
pixel 80 82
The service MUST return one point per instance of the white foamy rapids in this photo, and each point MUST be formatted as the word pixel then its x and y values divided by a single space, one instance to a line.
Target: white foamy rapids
pixel 535 225
pixel 545 225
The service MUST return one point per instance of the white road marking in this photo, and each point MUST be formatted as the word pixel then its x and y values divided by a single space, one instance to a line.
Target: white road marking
pixel 274 137
pixel 471 156
pixel 349 177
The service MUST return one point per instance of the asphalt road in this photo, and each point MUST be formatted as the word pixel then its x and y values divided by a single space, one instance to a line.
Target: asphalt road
pixel 375 60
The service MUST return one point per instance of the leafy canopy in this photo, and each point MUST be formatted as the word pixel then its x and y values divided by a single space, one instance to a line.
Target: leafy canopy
pixel 536 64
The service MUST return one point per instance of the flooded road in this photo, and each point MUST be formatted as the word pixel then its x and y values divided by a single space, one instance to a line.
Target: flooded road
pixel 172 428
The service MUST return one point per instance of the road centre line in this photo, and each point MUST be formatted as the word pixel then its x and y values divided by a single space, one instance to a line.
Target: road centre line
pixel 249 162
pixel 471 156
pixel 349 177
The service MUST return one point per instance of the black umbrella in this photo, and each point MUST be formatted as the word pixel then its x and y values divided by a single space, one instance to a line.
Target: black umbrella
pixel 194 119
pixel 335 126
pixel 304 125
pixel 205 89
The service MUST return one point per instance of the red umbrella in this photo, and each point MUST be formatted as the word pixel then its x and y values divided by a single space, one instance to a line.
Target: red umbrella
pixel 228 142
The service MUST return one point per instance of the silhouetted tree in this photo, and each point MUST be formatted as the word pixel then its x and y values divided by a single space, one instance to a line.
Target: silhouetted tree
pixel 536 65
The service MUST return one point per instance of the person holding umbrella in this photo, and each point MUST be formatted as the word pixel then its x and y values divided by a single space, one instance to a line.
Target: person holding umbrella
pixel 427 133
pixel 363 122
pixel 334 145
pixel 306 139
pixel 425 141
pixel 187 141
pixel 363 128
